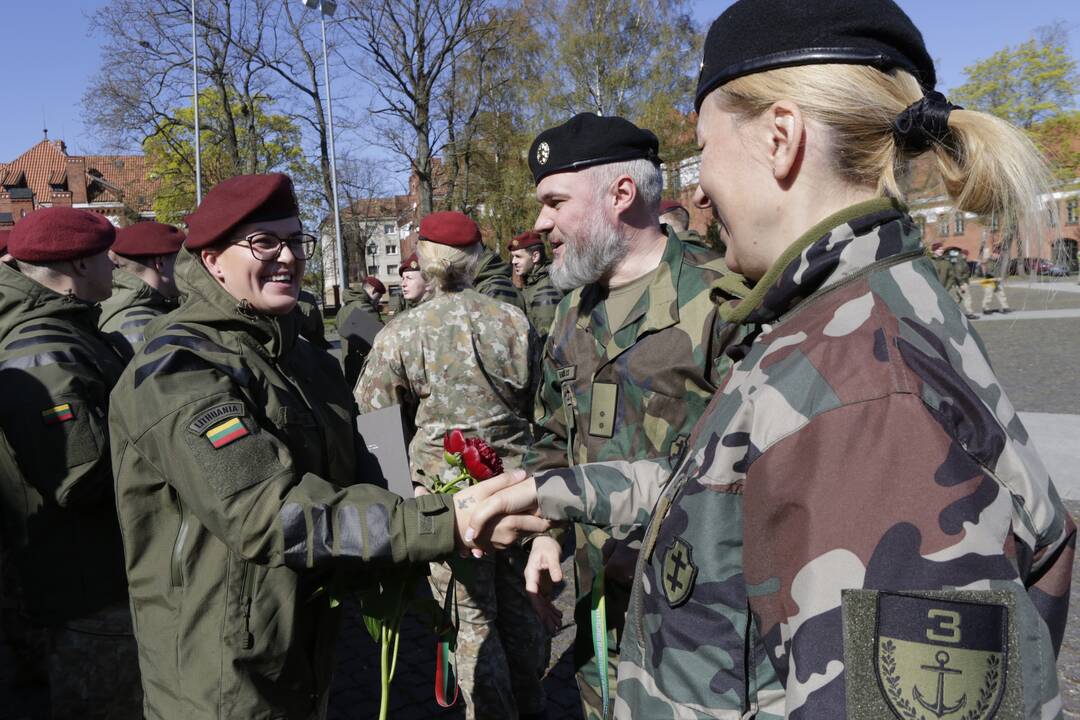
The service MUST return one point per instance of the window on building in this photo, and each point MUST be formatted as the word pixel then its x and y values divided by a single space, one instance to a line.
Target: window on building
pixel 943 226
pixel 1072 211
pixel 391 269
pixel 387 229
pixel 959 223
pixel 372 269
pixel 391 249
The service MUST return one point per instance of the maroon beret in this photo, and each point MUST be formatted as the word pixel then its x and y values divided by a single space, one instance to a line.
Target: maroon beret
pixel 449 228
pixel 667 206
pixel 409 264
pixel 375 283
pixel 526 240
pixel 4 235
pixel 238 200
pixel 147 238
pixel 60 233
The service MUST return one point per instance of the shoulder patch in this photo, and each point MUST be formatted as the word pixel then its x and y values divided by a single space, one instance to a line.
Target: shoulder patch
pixel 566 373
pixel 227 432
pixel 216 415
pixel 58 414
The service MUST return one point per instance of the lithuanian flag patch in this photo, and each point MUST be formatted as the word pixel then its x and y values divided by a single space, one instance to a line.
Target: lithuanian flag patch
pixel 224 433
pixel 57 414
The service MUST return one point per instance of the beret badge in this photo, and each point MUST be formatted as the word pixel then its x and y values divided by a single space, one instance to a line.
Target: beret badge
pixel 543 152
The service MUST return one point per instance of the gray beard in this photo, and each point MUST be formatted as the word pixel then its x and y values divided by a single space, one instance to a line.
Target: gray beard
pixel 585 261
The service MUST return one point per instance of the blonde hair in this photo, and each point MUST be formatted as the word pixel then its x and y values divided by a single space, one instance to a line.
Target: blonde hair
pixel 449 268
pixel 988 166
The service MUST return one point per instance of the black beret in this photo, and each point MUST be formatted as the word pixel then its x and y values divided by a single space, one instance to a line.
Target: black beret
pixel 586 140
pixel 756 35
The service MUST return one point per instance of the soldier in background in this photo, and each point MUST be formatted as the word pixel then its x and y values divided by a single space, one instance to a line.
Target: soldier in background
pixel 962 292
pixel 144 285
pixel 633 356
pixel 365 300
pixel 494 278
pixel 463 361
pixel 61 535
pixel 531 267
pixel 414 288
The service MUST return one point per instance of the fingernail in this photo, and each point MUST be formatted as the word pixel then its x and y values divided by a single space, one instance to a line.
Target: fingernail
pixel 469 535
pixel 477 553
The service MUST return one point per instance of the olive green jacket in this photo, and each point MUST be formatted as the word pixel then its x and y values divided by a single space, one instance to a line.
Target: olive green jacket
pixel 59 520
pixel 311 320
pixel 236 465
pixel 494 278
pixel 354 354
pixel 541 299
pixel 131 307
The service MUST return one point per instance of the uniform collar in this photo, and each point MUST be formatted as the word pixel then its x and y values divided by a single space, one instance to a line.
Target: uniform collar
pixel 209 303
pixel 836 248
pixel 539 272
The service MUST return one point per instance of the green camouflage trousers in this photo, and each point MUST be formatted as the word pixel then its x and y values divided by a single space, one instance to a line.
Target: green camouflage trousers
pixel 502 649
pixel 93 666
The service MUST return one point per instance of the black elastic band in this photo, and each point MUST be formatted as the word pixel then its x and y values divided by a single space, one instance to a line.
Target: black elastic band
pixel 924 123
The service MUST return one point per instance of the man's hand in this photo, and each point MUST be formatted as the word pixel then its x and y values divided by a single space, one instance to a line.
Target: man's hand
pixel 541 572
pixel 499 527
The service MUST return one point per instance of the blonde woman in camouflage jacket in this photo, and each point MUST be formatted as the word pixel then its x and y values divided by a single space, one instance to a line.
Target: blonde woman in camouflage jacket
pixel 462 360
pixel 861 527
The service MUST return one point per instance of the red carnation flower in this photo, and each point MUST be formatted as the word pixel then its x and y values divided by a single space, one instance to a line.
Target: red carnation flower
pixel 480 459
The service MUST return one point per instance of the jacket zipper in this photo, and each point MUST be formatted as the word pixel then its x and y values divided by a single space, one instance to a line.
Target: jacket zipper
pixel 176 564
pixel 246 579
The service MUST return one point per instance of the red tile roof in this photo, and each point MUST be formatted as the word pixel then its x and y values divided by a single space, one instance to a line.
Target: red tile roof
pixel 123 178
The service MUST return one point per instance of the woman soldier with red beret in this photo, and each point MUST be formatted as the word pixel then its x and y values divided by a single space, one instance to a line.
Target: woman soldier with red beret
pixel 462 360
pixel 861 526
pixel 237 467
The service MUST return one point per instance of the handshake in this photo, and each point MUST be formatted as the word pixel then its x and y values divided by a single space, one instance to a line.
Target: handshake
pixel 496 513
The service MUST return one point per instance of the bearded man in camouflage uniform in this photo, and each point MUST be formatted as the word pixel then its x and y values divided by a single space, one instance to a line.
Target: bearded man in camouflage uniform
pixel 465 361
pixel 144 284
pixel 61 535
pixel 633 356
pixel 531 268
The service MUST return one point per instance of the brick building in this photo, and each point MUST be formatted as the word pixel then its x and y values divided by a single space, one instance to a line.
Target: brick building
pixel 116 186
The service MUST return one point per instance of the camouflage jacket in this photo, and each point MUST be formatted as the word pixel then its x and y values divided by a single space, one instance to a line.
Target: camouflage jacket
pixel 59 519
pixel 541 299
pixel 494 278
pixel 457 360
pixel 132 305
pixel 354 354
pixel 236 463
pixel 860 455
pixel 654 374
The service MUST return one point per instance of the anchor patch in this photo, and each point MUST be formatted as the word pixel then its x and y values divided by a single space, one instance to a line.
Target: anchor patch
pixel 939 658
pixel 678 572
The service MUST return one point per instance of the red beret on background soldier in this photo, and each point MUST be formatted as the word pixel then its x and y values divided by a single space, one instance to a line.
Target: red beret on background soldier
pixel 531 267
pixel 144 285
pixel 63 550
pixel 414 288
pixel 229 428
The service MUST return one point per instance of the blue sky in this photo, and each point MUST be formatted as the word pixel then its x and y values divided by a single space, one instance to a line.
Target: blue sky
pixel 51 44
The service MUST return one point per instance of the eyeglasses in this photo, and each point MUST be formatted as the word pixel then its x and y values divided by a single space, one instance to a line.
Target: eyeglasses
pixel 266 247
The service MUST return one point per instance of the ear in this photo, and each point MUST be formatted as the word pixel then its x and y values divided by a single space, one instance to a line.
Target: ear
pixel 623 193
pixel 211 258
pixel 158 263
pixel 787 134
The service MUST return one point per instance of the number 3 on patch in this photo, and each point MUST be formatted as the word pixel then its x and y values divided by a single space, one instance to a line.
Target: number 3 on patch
pixel 944 620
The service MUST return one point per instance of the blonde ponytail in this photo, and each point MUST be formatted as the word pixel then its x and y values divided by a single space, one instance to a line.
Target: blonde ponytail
pixel 988 166
pixel 448 268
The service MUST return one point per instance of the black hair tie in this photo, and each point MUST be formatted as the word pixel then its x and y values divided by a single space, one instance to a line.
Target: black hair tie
pixel 924 123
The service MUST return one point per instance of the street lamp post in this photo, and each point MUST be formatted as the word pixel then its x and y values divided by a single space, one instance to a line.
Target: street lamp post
pixel 327 8
pixel 195 85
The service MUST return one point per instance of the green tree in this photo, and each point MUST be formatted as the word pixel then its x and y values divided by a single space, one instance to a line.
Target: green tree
pixel 1025 84
pixel 267 142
